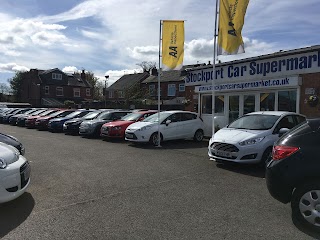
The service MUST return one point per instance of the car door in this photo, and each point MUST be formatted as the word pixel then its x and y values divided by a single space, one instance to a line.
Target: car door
pixel 172 130
pixel 188 125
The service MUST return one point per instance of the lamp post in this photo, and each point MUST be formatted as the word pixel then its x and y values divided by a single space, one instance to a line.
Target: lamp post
pixel 105 91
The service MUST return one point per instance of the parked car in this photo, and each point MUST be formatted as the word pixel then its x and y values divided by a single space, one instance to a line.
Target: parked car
pixel 56 124
pixel 249 139
pixel 7 111
pixel 173 125
pixel 30 121
pixel 6 117
pixel 10 140
pixel 42 122
pixel 22 119
pixel 92 127
pixel 14 173
pixel 116 129
pixel 13 118
pixel 293 176
pixel 72 126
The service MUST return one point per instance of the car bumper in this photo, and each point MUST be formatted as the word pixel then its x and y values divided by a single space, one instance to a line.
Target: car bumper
pixel 14 180
pixel 55 127
pixel 278 183
pixel 86 131
pixel 112 134
pixel 137 136
pixel 235 153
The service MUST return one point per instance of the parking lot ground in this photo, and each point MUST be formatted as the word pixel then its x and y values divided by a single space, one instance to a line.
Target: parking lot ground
pixel 94 189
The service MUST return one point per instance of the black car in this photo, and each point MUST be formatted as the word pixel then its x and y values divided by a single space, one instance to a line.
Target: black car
pixel 293 174
pixel 10 140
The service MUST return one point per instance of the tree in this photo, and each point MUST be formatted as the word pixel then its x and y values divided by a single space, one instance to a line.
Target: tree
pixel 16 83
pixel 94 83
pixel 147 66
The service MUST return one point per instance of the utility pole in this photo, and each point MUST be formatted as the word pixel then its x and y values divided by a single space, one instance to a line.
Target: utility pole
pixel 105 91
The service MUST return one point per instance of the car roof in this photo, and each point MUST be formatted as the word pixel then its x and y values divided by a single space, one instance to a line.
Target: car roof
pixel 275 113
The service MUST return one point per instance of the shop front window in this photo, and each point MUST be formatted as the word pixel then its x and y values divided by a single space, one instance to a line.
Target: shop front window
pixel 207 104
pixel 267 101
pixel 287 100
pixel 249 104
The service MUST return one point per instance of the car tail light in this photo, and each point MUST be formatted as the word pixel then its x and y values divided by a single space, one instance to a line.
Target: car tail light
pixel 281 152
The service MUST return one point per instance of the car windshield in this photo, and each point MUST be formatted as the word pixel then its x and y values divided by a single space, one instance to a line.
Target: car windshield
pixel 255 122
pixel 105 116
pixel 154 117
pixel 37 112
pixel 47 112
pixel 132 117
pixel 74 114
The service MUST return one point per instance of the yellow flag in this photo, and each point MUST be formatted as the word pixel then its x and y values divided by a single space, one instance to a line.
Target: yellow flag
pixel 172 45
pixel 231 20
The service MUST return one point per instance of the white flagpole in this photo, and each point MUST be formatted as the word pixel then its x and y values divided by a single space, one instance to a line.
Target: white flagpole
pixel 214 66
pixel 159 74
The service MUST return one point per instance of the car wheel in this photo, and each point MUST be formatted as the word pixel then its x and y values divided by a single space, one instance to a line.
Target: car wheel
pixel 305 205
pixel 265 157
pixel 154 139
pixel 198 136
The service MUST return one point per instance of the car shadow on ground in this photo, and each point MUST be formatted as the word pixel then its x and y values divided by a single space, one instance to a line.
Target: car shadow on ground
pixel 15 212
pixel 174 144
pixel 246 169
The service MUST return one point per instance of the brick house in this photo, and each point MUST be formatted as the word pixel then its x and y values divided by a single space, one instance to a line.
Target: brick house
pixel 173 92
pixel 124 92
pixel 52 87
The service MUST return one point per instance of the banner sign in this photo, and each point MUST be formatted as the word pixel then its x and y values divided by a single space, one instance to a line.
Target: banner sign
pixel 259 69
pixel 172 45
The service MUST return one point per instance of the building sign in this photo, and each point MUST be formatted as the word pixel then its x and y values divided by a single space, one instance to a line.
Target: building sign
pixel 252 85
pixel 308 62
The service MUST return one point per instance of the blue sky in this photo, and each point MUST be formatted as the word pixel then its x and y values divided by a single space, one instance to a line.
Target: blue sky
pixel 109 37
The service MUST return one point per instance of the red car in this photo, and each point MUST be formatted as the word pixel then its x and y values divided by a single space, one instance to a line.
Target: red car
pixel 31 120
pixel 42 122
pixel 116 129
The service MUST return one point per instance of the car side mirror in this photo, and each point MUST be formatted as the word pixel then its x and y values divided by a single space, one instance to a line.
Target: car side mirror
pixel 168 122
pixel 283 131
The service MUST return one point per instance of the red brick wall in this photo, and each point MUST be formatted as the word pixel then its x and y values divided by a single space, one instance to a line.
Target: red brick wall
pixel 311 80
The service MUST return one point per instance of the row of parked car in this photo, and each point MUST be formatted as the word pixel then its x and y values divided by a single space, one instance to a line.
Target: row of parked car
pixel 285 142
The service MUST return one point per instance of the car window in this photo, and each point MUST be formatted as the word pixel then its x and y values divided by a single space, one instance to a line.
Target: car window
pixel 299 119
pixel 285 122
pixel 176 117
pixel 118 115
pixel 188 116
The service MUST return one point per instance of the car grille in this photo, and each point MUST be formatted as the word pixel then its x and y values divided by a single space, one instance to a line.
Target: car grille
pixel 224 147
pixel 24 168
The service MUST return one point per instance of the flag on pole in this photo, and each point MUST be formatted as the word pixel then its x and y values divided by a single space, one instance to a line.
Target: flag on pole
pixel 231 20
pixel 172 45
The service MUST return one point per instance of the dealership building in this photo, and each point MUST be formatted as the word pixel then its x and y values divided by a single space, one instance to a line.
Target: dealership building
pixel 282 81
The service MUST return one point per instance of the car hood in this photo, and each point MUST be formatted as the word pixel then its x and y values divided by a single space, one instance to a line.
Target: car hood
pixel 138 125
pixel 8 153
pixel 73 120
pixel 232 135
pixel 118 123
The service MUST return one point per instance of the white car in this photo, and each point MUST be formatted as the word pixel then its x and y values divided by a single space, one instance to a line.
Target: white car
pixel 250 138
pixel 14 173
pixel 173 125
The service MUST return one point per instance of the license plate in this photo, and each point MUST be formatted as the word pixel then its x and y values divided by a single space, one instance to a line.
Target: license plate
pixel 222 153
pixel 26 173
pixel 129 135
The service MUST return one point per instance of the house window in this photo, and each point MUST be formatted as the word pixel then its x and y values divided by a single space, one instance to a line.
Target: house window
pixel 182 87
pixel 110 94
pixel 46 90
pixel 120 94
pixel 59 91
pixel 76 92
pixel 152 90
pixel 88 92
pixel 171 90
pixel 57 76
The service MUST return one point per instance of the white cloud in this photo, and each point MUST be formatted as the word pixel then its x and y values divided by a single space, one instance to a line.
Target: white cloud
pixel 70 69
pixel 12 67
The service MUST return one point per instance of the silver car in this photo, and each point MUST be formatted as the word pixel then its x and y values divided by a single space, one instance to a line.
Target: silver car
pixel 250 138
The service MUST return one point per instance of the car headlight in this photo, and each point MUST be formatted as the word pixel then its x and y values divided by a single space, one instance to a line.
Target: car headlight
pixel 144 128
pixel 251 141
pixel 3 164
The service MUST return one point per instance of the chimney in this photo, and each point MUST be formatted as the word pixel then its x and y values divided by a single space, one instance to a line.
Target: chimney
pixel 209 63
pixel 83 75
pixel 154 72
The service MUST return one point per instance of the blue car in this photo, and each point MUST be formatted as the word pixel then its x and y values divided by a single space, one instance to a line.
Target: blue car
pixel 56 124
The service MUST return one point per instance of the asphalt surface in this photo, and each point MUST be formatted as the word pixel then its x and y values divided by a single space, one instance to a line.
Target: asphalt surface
pixel 93 189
